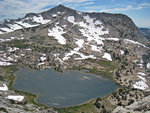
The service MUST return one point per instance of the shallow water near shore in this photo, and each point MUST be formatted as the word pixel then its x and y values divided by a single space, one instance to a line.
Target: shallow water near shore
pixel 62 89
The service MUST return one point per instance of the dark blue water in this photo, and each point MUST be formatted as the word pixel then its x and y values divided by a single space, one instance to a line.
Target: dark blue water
pixel 62 89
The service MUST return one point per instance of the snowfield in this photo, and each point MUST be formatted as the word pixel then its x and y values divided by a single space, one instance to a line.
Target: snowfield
pixel 107 56
pixel 15 97
pixel 4 88
pixel 57 32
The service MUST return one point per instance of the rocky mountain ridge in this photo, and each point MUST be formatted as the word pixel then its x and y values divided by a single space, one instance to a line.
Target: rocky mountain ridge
pixel 120 25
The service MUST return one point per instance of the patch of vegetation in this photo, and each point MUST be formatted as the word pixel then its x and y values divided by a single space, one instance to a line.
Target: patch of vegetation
pixel 3 110
pixel 18 43
pixel 103 73
pixel 85 108
pixel 108 64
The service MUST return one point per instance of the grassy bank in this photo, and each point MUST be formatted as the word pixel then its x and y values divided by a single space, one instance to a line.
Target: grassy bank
pixel 86 108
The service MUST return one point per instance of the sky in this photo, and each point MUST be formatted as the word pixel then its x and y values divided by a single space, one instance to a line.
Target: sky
pixel 137 10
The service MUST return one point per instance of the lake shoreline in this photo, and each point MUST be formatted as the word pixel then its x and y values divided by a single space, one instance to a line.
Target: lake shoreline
pixel 37 96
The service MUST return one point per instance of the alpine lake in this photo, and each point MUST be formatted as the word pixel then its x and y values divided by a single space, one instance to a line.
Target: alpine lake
pixel 61 90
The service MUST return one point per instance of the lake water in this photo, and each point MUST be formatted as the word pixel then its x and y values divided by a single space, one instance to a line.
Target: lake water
pixel 62 89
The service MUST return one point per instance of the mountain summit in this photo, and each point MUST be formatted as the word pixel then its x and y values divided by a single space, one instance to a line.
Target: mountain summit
pixel 119 25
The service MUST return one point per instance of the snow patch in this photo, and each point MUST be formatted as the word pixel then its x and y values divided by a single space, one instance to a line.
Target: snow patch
pixel 11 38
pixel 2 63
pixel 40 19
pixel 12 49
pixel 96 48
pixel 113 39
pixel 142 78
pixel 57 32
pixel 80 43
pixel 121 52
pixel 71 19
pixel 6 29
pixel 107 56
pixel 141 65
pixel 140 85
pixel 1 32
pixel 15 97
pixel 4 88
pixel 140 73
pixel 148 65
pixel 42 63
pixel 28 49
pixel 54 15
pixel 43 58
pixel 85 57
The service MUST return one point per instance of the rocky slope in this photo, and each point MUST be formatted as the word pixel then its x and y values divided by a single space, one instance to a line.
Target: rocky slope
pixel 145 32
pixel 62 38
pixel 142 106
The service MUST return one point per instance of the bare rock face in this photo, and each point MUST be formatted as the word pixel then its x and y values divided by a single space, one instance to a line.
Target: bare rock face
pixel 142 106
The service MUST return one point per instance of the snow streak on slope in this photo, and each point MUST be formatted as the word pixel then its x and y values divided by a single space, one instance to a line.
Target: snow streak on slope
pixel 80 43
pixel 135 42
pixel 11 38
pixel 40 19
pixel 26 25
